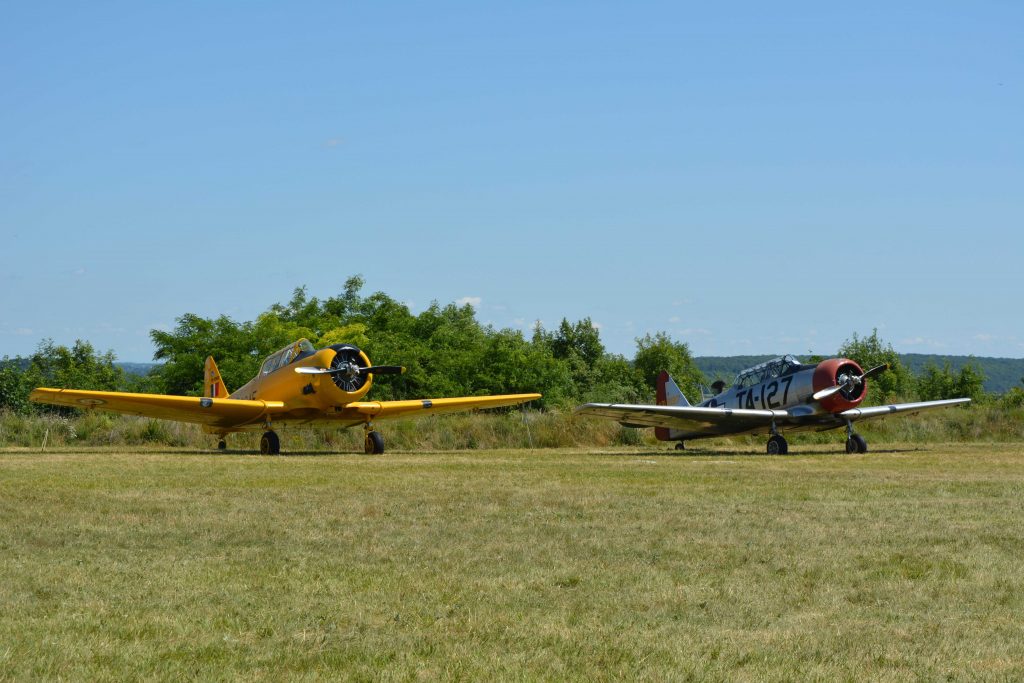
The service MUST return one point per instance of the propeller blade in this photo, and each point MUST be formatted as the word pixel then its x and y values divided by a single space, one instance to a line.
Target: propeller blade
pixel 309 370
pixel 875 371
pixel 825 393
pixel 383 370
pixel 377 370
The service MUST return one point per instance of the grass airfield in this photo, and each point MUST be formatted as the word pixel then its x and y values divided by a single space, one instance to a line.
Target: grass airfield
pixel 900 564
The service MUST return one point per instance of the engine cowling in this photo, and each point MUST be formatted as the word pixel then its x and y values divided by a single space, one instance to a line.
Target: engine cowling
pixel 837 371
pixel 350 360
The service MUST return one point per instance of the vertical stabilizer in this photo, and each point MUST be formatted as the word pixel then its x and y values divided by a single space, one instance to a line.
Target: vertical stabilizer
pixel 213 385
pixel 668 394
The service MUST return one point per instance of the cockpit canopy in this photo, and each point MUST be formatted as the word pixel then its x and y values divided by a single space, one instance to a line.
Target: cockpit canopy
pixel 288 354
pixel 777 367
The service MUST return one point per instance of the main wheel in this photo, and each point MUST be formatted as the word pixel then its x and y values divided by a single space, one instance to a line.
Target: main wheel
pixel 777 445
pixel 374 443
pixel 852 446
pixel 680 446
pixel 862 445
pixel 222 445
pixel 270 444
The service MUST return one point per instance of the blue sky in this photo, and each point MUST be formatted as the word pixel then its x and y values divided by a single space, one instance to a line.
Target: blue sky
pixel 749 177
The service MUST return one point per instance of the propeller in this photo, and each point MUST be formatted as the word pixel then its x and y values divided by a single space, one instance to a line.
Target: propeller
pixel 376 370
pixel 846 382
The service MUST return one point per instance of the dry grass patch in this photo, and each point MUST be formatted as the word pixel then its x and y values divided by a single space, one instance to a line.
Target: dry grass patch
pixel 629 563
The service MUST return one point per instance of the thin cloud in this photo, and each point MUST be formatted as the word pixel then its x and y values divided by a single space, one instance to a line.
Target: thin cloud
pixel 473 301
pixel 333 142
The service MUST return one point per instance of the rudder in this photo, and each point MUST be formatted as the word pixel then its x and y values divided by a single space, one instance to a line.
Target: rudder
pixel 668 394
pixel 213 384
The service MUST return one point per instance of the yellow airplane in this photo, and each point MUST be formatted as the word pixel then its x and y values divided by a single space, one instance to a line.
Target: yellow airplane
pixel 298 384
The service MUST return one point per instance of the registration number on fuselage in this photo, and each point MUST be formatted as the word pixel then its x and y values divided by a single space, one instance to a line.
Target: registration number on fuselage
pixel 767 396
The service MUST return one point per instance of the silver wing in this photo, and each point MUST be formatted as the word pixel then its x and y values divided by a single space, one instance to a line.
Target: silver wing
pixel 694 422
pixel 909 408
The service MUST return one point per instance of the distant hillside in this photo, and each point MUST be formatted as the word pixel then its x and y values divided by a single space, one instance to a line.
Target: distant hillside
pixel 1001 374
pixel 137 368
pixel 130 368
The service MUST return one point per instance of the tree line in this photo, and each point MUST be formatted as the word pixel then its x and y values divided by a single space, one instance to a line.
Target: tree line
pixel 447 351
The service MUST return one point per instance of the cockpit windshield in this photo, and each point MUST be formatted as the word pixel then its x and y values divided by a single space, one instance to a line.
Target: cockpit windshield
pixel 777 367
pixel 288 354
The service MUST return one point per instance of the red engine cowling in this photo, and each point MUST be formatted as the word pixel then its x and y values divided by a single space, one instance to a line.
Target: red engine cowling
pixel 830 373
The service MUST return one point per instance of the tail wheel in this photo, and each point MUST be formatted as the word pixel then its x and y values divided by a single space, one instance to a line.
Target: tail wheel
pixel 374 443
pixel 270 444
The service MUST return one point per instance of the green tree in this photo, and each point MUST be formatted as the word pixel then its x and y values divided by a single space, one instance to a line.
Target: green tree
pixel 14 390
pixel 658 352
pixel 943 383
pixel 896 383
pixel 582 340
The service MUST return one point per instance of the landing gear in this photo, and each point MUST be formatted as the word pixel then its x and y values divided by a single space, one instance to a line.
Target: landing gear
pixel 373 444
pixel 270 444
pixel 681 446
pixel 222 445
pixel 855 443
pixel 777 445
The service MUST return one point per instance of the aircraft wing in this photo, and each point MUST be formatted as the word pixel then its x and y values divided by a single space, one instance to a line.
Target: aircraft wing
pixel 382 410
pixel 690 419
pixel 906 408
pixel 215 412
pixel 695 422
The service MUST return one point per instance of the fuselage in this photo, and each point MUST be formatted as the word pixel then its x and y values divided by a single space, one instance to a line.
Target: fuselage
pixel 278 380
pixel 785 383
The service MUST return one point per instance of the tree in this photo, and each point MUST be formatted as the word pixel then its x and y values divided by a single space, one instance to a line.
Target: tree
pixel 14 390
pixel 869 352
pixel 936 384
pixel 581 340
pixel 659 352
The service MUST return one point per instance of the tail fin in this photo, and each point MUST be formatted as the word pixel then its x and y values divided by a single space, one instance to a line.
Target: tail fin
pixel 668 391
pixel 668 395
pixel 213 385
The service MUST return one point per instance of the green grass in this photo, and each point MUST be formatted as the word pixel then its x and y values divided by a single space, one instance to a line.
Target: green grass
pixel 902 564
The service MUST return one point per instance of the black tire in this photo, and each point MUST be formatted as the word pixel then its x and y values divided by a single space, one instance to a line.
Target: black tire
pixel 374 443
pixel 270 444
pixel 862 445
pixel 851 445
pixel 777 445
pixel 680 446
pixel 222 445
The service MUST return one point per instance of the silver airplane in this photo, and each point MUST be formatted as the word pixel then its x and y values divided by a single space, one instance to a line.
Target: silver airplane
pixel 780 394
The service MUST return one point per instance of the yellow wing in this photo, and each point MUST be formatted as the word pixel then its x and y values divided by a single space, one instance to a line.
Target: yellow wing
pixel 215 412
pixel 382 410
